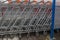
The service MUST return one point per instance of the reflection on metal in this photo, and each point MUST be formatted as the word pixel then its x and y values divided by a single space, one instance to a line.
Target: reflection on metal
pixel 15 38
pixel 9 39
pixel 4 38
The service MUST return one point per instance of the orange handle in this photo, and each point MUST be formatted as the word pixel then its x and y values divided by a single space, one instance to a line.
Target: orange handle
pixel 18 1
pixel 42 1
pixel 9 1
pixel 35 0
pixel 26 0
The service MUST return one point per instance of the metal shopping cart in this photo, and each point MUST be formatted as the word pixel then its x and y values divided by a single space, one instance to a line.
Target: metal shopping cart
pixel 24 18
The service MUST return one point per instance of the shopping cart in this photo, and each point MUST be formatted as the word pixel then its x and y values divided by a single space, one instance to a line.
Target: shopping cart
pixel 24 18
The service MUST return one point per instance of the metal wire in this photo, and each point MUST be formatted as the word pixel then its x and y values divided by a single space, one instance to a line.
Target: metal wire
pixel 25 18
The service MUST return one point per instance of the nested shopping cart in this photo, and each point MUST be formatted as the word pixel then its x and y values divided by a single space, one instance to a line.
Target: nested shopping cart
pixel 25 18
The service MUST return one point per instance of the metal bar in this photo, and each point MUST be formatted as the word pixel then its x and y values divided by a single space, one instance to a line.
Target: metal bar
pixel 53 17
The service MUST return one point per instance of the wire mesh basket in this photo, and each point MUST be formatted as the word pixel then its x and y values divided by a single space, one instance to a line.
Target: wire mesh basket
pixel 24 18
